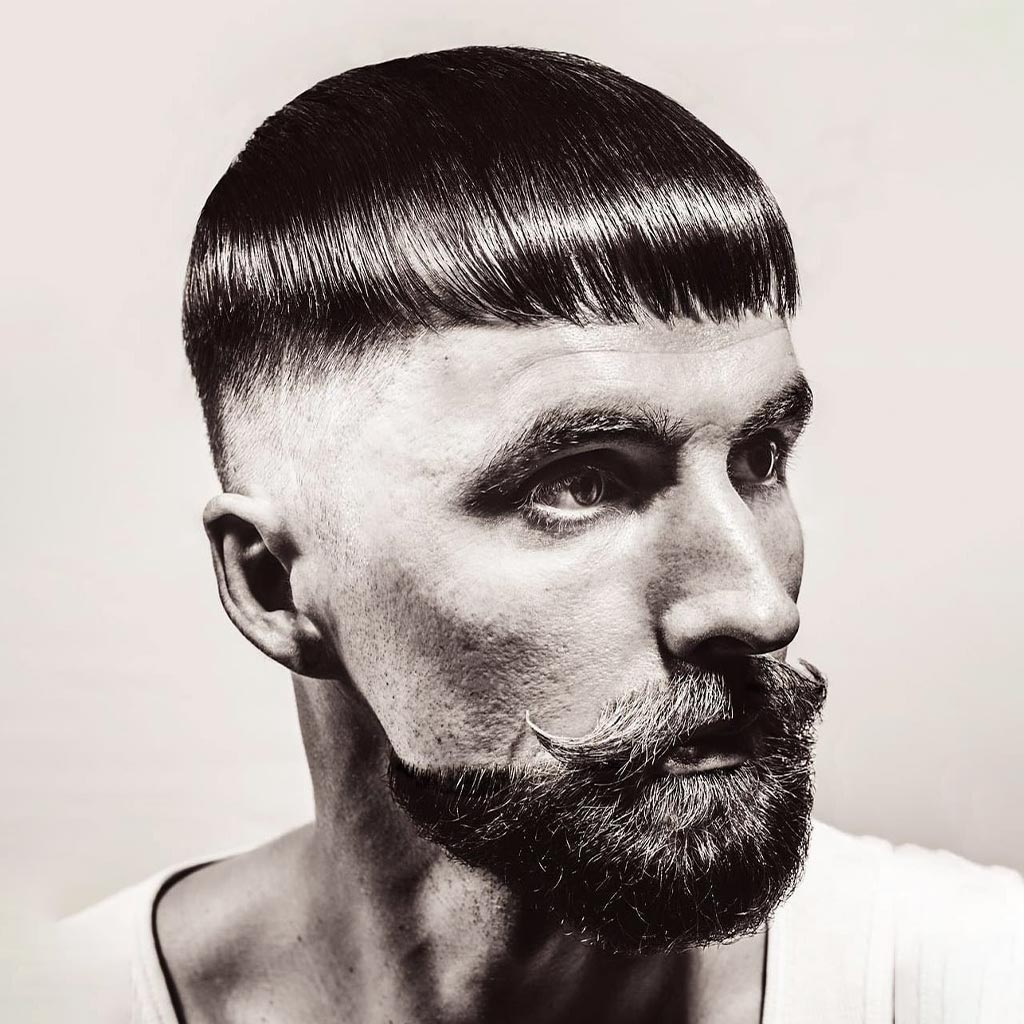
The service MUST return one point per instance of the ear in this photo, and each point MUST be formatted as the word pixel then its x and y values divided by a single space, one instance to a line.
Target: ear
pixel 253 556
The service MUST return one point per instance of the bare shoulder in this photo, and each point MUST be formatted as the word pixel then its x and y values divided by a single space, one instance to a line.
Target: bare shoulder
pixel 105 957
pixel 238 937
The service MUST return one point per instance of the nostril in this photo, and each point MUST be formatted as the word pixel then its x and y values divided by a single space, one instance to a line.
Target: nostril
pixel 715 649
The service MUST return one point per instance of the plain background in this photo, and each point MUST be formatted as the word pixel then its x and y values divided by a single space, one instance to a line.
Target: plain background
pixel 139 729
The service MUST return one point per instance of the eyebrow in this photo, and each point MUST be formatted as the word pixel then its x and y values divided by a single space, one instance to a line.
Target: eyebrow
pixel 560 430
pixel 791 404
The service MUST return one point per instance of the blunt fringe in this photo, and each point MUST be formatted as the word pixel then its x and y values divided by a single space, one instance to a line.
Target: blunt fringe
pixel 471 186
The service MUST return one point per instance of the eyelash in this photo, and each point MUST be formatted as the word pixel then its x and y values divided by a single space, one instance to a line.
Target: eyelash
pixel 561 525
pixel 545 517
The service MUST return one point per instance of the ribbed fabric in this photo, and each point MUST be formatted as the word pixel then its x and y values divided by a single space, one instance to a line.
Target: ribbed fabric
pixel 831 946
pixel 903 935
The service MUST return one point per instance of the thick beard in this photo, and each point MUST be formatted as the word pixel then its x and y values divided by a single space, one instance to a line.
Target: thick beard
pixel 607 845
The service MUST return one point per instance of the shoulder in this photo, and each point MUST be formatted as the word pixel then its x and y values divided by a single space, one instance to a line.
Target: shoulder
pixel 108 957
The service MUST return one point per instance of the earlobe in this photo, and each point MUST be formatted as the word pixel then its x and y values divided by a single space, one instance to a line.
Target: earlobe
pixel 253 556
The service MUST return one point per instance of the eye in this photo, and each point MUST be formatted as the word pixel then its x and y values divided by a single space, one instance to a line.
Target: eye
pixel 757 461
pixel 579 490
pixel 583 489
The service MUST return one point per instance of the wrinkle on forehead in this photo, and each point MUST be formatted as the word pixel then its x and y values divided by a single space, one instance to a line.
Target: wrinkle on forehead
pixel 459 355
pixel 726 368
pixel 675 336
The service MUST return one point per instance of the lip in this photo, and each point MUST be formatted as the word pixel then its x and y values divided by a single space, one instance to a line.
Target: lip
pixel 689 761
pixel 723 744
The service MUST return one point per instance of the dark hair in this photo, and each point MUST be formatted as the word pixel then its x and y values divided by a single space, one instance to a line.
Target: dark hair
pixel 470 186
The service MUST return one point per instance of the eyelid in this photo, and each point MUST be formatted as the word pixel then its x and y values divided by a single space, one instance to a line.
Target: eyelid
pixel 510 489
pixel 638 477
pixel 546 518
pixel 564 477
pixel 634 466
pixel 785 436
pixel 613 450
pixel 566 463
pixel 543 516
pixel 786 432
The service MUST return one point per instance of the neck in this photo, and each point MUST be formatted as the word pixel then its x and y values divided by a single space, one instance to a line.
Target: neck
pixel 358 913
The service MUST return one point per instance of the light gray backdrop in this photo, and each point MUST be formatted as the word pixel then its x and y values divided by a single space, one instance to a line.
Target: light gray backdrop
pixel 138 728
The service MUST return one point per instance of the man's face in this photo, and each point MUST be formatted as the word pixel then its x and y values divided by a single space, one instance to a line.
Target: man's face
pixel 589 527
pixel 540 519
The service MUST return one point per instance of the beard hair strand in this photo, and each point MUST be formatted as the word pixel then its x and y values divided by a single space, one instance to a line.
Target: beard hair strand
pixel 603 843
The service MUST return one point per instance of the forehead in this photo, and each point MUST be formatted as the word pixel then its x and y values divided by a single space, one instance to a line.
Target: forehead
pixel 501 375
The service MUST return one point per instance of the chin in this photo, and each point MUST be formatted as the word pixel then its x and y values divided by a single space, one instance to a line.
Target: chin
pixel 669 863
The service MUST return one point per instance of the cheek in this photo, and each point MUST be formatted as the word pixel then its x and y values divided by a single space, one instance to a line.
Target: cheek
pixel 454 636
pixel 452 645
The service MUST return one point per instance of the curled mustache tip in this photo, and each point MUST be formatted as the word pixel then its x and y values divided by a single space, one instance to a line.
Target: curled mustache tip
pixel 557 746
pixel 544 737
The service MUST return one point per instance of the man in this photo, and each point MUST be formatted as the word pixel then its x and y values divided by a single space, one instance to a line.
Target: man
pixel 492 346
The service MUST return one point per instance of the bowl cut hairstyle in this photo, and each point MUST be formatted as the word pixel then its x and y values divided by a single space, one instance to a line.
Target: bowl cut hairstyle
pixel 481 185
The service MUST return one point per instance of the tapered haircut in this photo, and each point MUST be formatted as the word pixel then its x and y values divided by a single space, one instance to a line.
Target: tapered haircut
pixel 482 185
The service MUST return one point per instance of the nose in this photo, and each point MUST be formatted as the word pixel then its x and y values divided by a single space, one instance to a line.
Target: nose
pixel 727 578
